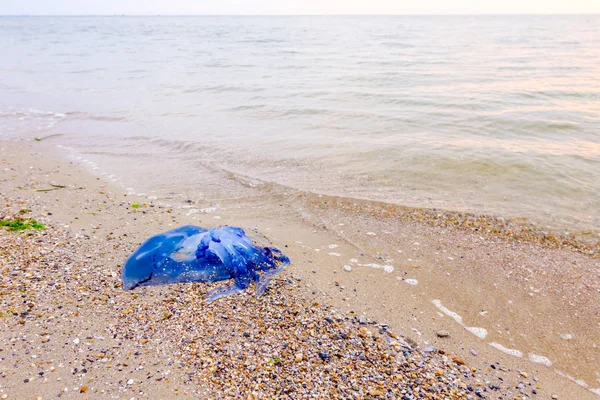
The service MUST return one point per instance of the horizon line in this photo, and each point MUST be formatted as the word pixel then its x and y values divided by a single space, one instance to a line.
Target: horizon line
pixel 303 15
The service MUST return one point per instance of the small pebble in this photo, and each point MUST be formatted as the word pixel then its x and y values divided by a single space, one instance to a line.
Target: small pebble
pixel 442 334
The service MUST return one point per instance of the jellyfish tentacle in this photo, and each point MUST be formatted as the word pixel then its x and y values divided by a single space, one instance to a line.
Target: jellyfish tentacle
pixel 221 292
pixel 266 277
pixel 237 266
pixel 203 246
pixel 242 274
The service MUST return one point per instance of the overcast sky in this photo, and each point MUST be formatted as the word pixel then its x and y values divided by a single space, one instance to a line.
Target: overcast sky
pixel 179 7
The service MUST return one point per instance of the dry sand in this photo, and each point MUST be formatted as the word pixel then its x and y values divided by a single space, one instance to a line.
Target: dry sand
pixel 68 327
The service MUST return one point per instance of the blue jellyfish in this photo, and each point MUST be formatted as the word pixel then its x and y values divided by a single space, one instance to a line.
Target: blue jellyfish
pixel 194 254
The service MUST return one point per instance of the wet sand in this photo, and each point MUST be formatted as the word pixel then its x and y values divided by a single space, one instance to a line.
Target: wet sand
pixel 408 281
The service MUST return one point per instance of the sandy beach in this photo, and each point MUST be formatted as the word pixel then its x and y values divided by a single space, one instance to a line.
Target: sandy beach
pixel 436 310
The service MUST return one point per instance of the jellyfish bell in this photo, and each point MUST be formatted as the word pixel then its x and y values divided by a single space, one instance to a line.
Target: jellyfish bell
pixel 194 254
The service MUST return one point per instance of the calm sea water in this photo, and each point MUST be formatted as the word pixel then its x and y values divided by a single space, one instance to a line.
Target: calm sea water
pixel 497 115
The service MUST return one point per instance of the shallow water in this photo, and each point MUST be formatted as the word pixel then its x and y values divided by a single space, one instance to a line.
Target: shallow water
pixel 494 115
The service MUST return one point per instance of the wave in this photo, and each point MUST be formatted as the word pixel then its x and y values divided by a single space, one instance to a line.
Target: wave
pixel 87 71
pixel 80 115
pixel 560 94
pixel 228 88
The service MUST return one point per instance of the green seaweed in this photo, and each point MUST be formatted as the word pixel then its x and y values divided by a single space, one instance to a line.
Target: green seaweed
pixel 135 205
pixel 54 187
pixel 20 224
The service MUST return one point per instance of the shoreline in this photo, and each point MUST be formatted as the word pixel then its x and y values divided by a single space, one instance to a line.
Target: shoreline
pixel 510 229
pixel 329 284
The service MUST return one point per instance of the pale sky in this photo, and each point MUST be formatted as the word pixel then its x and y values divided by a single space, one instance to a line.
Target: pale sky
pixel 261 7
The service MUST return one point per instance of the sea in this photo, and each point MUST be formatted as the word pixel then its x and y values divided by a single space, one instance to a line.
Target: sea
pixel 494 115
